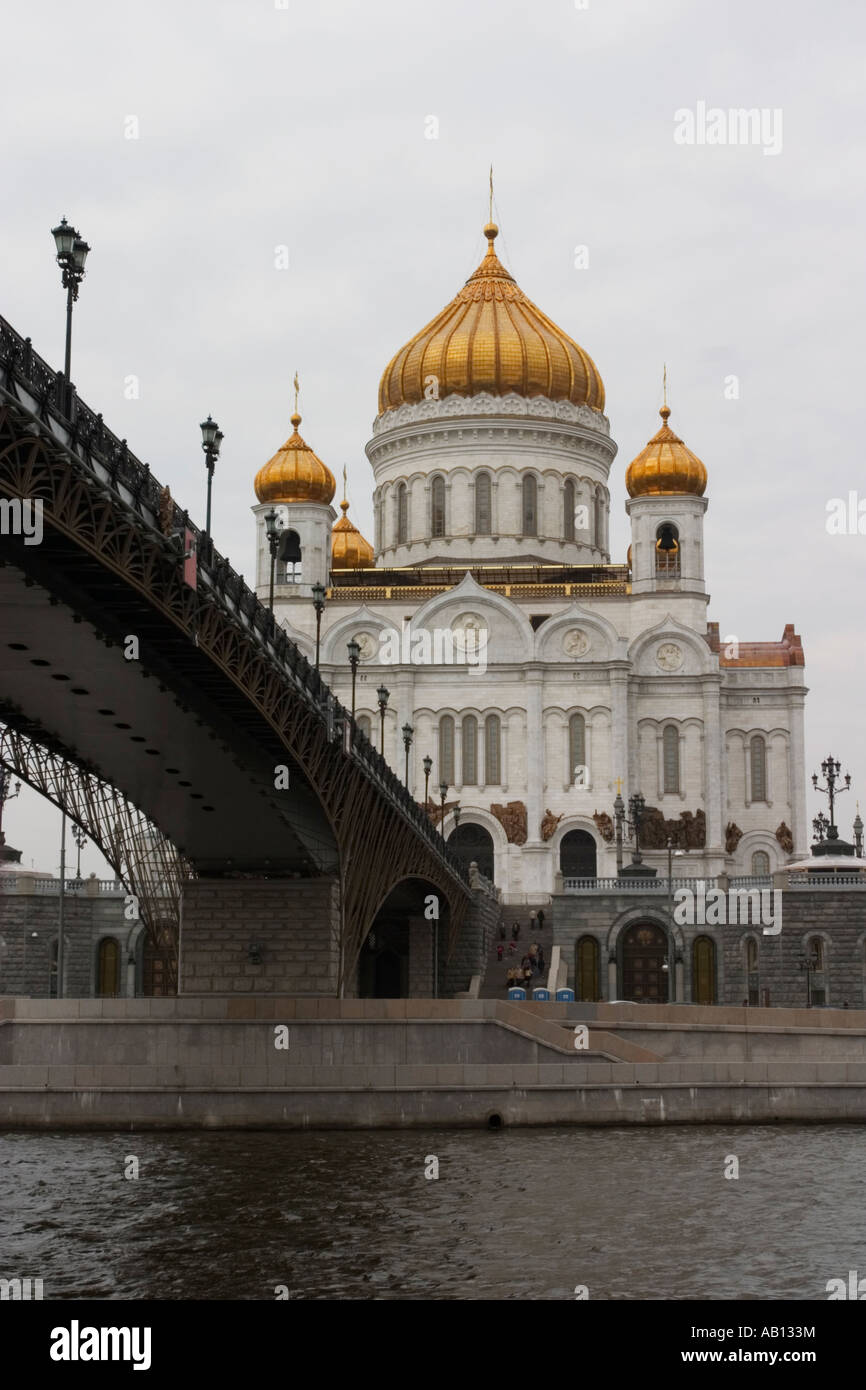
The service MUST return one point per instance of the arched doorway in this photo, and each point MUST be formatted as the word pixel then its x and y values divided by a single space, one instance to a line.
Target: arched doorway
pixel 472 843
pixel 586 969
pixel 108 970
pixel 704 971
pixel 577 855
pixel 383 965
pixel 644 954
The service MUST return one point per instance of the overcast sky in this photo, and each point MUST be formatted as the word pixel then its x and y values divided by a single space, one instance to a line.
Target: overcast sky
pixel 306 126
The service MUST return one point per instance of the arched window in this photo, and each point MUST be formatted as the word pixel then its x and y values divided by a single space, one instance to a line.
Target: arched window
pixel 568 511
pixel 760 864
pixel 362 724
pixel 667 549
pixel 577 771
pixel 599 519
pixel 470 751
pixel 287 569
pixel 482 505
pixel 816 948
pixel 492 753
pixel 108 970
pixel 671 759
pixel 446 749
pixel 437 507
pixel 402 514
pixel 587 969
pixel 530 506
pixel 758 757
pixel 752 977
pixel 704 971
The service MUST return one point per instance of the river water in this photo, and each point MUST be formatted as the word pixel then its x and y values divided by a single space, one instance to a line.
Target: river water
pixel 515 1214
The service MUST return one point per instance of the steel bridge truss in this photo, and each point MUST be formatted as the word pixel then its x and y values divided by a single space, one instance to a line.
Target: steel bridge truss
pixel 95 492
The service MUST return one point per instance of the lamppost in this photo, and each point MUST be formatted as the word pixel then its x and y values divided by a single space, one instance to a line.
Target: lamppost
pixel 428 768
pixel 672 983
pixel 382 694
pixel 354 657
pixel 71 254
pixel 273 527
pixel 80 839
pixel 858 834
pixel 408 731
pixel 636 806
pixel 211 439
pixel 443 792
pixel 6 795
pixel 319 605
pixel 457 816
pixel 831 771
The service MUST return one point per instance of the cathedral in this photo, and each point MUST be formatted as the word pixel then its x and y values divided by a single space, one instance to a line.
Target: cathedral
pixel 520 679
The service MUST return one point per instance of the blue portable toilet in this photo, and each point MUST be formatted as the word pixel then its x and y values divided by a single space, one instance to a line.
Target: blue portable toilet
pixel 565 996
pixel 516 992
pixel 541 994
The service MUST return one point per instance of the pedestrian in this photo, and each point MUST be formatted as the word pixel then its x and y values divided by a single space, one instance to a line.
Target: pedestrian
pixel 527 976
pixel 532 921
pixel 541 919
pixel 499 951
pixel 501 931
pixel 515 931
pixel 511 948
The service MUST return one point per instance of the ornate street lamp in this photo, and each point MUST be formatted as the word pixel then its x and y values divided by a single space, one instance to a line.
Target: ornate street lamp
pixel 457 816
pixel 354 657
pixel 80 839
pixel 211 439
pixel 858 833
pixel 319 605
pixel 382 694
pixel 672 979
pixel 273 527
pixel 831 770
pixel 408 731
pixel 809 964
pixel 428 768
pixel 71 254
pixel 443 792
pixel 636 806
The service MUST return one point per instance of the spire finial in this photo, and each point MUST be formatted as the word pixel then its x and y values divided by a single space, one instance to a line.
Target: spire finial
pixel 296 419
pixel 344 505
pixel 490 218
pixel 665 410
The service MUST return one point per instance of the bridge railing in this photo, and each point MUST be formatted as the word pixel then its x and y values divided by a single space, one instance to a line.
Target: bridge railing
pixel 110 459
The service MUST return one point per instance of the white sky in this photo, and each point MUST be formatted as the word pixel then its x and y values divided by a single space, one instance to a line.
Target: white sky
pixel 305 126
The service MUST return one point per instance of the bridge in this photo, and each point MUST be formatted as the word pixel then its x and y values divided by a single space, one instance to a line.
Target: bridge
pixel 134 657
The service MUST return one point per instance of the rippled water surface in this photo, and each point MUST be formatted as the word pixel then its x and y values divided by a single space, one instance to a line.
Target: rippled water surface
pixel 632 1214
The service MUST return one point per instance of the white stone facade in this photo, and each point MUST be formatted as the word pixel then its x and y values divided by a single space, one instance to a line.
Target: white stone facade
pixel 662 713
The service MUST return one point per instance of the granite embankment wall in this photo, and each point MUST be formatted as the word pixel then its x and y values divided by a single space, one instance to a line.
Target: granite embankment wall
pixel 326 1063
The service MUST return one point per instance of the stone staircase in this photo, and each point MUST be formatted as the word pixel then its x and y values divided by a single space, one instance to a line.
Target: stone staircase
pixel 493 985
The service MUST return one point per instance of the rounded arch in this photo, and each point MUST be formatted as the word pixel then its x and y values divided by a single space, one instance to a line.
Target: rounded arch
pixel 108 968
pixel 704 970
pixel 578 854
pixel 473 843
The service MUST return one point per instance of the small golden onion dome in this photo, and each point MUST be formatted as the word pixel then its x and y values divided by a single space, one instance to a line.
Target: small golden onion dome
pixel 349 550
pixel 665 466
pixel 491 337
pixel 295 473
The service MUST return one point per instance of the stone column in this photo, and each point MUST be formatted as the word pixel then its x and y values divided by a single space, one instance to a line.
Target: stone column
pixel 797 777
pixel 611 979
pixel 713 764
pixel 619 731
pixel 534 753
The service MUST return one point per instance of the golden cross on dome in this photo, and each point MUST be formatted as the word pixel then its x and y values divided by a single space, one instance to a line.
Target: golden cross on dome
pixel 345 498
pixel 665 384
pixel 619 786
pixel 490 219
pixel 297 389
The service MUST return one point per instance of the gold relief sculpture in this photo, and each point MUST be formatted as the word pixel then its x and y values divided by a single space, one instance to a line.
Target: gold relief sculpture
pixel 785 838
pixel 604 825
pixel 549 822
pixel 733 836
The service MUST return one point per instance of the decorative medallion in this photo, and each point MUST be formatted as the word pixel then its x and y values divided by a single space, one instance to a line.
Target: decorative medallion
pixel 576 643
pixel 367 643
pixel 469 622
pixel 669 656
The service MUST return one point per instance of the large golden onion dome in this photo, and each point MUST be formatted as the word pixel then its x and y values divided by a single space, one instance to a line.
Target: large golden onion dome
pixel 492 338
pixel 665 466
pixel 295 473
pixel 349 550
